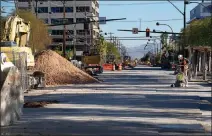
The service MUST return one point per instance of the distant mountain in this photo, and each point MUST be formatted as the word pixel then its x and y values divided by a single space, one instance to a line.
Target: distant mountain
pixel 137 51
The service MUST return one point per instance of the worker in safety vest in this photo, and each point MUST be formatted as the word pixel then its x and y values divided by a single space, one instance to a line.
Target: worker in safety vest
pixel 182 63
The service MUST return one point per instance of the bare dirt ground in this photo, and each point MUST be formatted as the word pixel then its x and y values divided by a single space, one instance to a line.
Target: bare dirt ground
pixel 128 103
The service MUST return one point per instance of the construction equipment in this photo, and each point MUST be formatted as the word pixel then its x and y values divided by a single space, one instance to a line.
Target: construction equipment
pixel 92 63
pixel 128 62
pixel 15 45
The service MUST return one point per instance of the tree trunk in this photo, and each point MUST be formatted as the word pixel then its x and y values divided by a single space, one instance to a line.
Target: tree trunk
pixel 190 56
pixel 199 61
pixel 209 63
pixel 196 58
pixel 204 66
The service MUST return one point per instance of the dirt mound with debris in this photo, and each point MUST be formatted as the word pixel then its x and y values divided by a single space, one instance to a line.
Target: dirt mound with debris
pixel 60 71
pixel 39 104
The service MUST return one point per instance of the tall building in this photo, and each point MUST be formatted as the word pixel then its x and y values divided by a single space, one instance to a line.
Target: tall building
pixel 75 11
pixel 200 11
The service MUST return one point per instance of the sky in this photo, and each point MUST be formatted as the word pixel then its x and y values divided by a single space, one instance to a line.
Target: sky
pixel 146 11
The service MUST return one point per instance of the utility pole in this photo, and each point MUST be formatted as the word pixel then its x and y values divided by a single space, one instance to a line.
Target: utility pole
pixel 184 27
pixel 74 39
pixel 91 33
pixel 36 7
pixel 140 24
pixel 64 29
pixel 85 30
pixel 110 36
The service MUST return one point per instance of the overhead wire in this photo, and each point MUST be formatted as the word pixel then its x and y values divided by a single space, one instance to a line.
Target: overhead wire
pixel 173 19
pixel 128 4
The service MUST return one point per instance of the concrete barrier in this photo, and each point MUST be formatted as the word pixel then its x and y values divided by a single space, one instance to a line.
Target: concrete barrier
pixel 12 98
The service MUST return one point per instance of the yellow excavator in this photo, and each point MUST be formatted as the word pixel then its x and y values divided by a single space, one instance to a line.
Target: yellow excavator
pixel 15 46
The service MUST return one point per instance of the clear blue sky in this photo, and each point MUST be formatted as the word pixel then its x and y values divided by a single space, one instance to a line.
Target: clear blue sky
pixel 144 10
pixel 160 10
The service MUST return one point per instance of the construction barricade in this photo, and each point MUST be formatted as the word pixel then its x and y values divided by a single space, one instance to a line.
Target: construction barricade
pixel 108 67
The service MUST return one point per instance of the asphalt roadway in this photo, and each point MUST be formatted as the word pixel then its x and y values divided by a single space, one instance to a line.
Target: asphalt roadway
pixel 137 102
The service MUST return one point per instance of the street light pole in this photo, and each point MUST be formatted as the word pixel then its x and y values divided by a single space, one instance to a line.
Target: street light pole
pixel 64 30
pixel 184 27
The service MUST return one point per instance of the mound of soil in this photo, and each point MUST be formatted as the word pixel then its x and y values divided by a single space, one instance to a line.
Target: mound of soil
pixel 60 71
pixel 38 104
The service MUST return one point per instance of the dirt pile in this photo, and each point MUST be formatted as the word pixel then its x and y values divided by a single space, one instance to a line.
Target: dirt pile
pixel 59 71
pixel 39 104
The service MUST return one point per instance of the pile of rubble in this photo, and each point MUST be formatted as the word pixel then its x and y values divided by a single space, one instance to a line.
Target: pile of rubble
pixel 38 104
pixel 60 71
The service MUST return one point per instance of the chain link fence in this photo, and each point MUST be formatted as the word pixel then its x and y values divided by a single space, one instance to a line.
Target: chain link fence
pixel 19 59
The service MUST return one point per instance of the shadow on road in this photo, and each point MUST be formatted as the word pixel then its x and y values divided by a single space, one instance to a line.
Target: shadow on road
pixel 146 68
pixel 124 109
pixel 108 128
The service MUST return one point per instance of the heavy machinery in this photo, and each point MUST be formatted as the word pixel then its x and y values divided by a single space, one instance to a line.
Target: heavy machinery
pixel 92 63
pixel 128 62
pixel 15 46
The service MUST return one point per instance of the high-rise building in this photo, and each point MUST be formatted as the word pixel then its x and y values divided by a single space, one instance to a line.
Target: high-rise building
pixel 201 11
pixel 75 11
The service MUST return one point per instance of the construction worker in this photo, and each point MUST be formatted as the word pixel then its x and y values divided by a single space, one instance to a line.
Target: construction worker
pixel 182 62
pixel 181 77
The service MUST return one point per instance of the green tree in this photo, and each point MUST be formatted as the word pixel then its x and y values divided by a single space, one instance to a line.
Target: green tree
pixel 198 33
pixel 113 50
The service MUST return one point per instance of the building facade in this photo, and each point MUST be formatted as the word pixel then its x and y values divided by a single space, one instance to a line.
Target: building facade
pixel 75 11
pixel 200 11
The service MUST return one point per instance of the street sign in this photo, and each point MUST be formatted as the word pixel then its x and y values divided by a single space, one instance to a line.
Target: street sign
pixel 135 30
pixel 102 20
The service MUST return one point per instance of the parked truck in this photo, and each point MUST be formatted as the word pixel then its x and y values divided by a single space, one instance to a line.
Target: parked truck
pixel 91 63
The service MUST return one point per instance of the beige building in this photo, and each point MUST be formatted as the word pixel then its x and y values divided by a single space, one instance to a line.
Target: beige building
pixel 76 11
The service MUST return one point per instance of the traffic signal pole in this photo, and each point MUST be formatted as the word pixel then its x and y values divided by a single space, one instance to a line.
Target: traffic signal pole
pixel 184 28
pixel 150 31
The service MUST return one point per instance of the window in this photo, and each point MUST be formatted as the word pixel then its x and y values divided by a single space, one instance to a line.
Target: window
pixel 60 32
pixel 57 32
pixel 60 20
pixel 42 10
pixel 69 9
pixel 207 9
pixel 93 11
pixel 69 39
pixel 56 21
pixel 94 33
pixel 70 20
pixel 83 9
pixel 70 32
pixel 57 40
pixel 80 20
pixel 82 32
pixel 57 9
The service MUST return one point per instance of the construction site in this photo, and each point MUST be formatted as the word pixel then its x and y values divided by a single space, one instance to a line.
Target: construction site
pixel 22 70
pixel 47 89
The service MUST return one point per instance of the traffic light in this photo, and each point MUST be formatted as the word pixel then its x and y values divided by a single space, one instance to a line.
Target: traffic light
pixel 147 32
